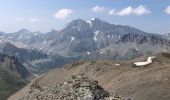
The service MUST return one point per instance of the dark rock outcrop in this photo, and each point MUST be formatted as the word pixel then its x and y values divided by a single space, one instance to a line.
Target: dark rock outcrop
pixel 77 87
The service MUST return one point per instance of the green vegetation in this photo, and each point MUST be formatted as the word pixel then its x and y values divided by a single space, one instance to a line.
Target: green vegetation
pixel 9 84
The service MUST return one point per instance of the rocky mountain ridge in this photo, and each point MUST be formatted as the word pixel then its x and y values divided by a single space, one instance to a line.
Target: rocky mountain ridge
pixel 92 39
pixel 84 37
pixel 167 35
pixel 77 87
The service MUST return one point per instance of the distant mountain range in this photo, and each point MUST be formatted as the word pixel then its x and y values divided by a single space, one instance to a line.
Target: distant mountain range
pixel 167 35
pixel 97 37
pixel 24 54
pixel 81 40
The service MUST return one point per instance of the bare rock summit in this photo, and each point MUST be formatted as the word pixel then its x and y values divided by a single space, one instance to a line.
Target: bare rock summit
pixel 77 87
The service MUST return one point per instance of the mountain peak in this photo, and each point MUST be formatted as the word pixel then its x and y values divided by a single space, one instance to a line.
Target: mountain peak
pixel 23 30
pixel 93 19
pixel 53 30
pixel 80 22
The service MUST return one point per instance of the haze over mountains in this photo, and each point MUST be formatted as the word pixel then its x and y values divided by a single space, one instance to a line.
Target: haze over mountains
pixel 81 40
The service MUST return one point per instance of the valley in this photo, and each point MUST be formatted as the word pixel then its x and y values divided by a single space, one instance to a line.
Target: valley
pixel 102 51
pixel 84 50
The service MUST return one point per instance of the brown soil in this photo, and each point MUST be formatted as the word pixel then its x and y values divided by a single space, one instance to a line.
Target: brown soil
pixel 150 83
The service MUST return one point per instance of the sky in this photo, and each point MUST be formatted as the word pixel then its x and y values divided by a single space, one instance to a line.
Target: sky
pixel 44 15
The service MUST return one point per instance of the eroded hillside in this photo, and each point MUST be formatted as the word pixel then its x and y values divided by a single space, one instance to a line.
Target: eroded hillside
pixel 148 83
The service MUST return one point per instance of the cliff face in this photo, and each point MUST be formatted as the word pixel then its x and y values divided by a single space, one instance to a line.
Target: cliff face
pixel 97 37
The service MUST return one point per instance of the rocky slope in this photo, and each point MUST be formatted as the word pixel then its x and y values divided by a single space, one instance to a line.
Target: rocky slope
pixel 77 87
pixel 22 54
pixel 121 78
pixel 13 76
pixel 92 39
pixel 31 58
pixel 27 45
pixel 27 39
pixel 99 38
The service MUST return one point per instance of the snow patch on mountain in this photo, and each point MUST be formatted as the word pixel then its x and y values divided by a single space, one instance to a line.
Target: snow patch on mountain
pixel 35 34
pixel 93 19
pixel 78 28
pixel 90 23
pixel 88 53
pixel 141 64
pixel 44 42
pixel 95 35
pixel 19 37
pixel 108 36
pixel 72 38
pixel 117 64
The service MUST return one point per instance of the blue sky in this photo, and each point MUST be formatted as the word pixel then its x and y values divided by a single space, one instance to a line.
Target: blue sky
pixel 44 15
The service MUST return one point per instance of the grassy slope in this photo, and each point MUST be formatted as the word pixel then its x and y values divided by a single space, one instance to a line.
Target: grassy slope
pixel 9 84
pixel 12 76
